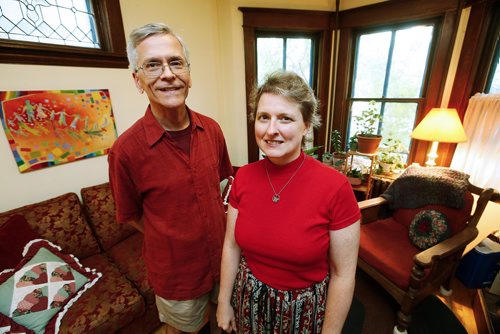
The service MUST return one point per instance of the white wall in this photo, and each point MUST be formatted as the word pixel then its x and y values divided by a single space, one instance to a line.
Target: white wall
pixel 18 189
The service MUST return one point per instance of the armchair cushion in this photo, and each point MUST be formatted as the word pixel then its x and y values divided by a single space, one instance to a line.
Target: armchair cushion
pixel 428 228
pixel 384 245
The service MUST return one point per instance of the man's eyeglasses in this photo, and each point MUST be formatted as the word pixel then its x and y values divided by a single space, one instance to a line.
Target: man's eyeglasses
pixel 154 69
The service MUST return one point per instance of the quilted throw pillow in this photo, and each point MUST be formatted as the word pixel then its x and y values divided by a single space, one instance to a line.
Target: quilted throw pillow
pixel 428 228
pixel 40 289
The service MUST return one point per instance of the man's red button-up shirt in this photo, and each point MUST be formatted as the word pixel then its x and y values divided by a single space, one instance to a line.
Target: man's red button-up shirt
pixel 178 198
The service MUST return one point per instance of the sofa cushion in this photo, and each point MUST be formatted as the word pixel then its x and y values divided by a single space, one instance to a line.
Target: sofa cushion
pixel 147 323
pixel 100 208
pixel 9 326
pixel 61 221
pixel 14 235
pixel 43 286
pixel 112 302
pixel 388 250
pixel 127 255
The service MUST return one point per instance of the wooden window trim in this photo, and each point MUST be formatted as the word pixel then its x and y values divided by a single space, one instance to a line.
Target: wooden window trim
pixel 111 36
pixel 318 22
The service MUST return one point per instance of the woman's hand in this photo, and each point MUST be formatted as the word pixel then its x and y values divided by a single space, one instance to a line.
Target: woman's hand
pixel 225 317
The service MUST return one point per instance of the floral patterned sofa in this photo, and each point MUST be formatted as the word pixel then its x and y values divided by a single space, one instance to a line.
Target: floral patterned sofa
pixel 121 300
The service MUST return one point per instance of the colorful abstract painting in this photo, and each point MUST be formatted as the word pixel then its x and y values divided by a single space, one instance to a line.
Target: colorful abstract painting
pixel 47 128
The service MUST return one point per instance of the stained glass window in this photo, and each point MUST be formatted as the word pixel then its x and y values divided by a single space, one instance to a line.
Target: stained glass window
pixel 62 22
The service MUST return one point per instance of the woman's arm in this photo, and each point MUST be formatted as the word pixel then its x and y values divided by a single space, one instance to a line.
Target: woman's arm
pixel 229 267
pixel 343 258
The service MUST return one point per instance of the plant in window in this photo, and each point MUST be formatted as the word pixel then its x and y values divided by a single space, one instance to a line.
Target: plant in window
pixel 367 123
pixel 313 151
pixel 355 176
pixel 353 143
pixel 391 155
pixel 339 154
pixel 336 141
pixel 327 158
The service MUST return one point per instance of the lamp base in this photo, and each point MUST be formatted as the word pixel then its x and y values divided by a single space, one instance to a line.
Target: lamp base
pixel 432 155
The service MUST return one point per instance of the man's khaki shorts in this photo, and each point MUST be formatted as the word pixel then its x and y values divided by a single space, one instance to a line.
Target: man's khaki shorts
pixel 186 315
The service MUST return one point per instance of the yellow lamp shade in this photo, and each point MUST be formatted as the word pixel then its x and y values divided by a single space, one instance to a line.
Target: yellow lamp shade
pixel 442 125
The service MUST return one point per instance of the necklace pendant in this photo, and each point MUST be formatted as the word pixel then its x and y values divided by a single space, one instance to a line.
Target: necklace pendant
pixel 276 198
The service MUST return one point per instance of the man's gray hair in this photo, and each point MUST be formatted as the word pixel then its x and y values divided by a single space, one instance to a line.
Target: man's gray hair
pixel 141 33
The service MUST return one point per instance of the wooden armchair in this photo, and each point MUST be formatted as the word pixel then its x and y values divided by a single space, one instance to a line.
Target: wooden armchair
pixel 403 270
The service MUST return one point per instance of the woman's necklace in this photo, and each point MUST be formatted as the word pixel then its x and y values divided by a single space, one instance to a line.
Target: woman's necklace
pixel 276 196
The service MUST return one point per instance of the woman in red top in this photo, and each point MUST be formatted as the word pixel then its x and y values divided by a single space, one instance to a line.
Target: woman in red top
pixel 292 236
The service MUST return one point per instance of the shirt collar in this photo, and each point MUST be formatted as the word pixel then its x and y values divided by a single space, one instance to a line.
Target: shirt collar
pixel 154 131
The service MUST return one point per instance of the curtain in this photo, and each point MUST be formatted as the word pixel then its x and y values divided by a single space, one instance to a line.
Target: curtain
pixel 480 155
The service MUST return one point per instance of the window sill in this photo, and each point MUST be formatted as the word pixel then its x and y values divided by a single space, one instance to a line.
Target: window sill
pixel 17 53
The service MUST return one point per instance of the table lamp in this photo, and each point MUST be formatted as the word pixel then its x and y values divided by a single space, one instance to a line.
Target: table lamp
pixel 439 125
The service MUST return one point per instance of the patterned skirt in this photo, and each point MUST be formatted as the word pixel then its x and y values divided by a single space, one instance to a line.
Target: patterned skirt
pixel 262 309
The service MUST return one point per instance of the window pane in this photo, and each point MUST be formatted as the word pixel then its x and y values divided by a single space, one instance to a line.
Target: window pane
pixel 371 64
pixel 398 121
pixel 411 49
pixel 269 56
pixel 298 52
pixel 494 85
pixel 356 109
pixel 64 22
pixel 298 57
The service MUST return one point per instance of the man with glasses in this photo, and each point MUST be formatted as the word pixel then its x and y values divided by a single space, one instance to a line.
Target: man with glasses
pixel 164 173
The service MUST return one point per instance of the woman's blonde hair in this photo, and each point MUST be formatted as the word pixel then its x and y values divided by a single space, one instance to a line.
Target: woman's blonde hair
pixel 292 87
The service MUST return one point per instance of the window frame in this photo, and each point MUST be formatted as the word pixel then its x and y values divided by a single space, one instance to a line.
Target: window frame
pixel 420 100
pixel 491 46
pixel 290 35
pixel 387 14
pixel 112 54
pixel 287 21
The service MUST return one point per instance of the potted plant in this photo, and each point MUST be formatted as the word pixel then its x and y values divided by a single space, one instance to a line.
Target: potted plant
pixel 355 176
pixel 327 158
pixel 366 123
pixel 353 143
pixel 313 151
pixel 339 154
pixel 391 155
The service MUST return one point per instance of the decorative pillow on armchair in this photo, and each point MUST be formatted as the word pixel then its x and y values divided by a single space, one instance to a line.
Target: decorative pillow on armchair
pixel 428 228
pixel 40 289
